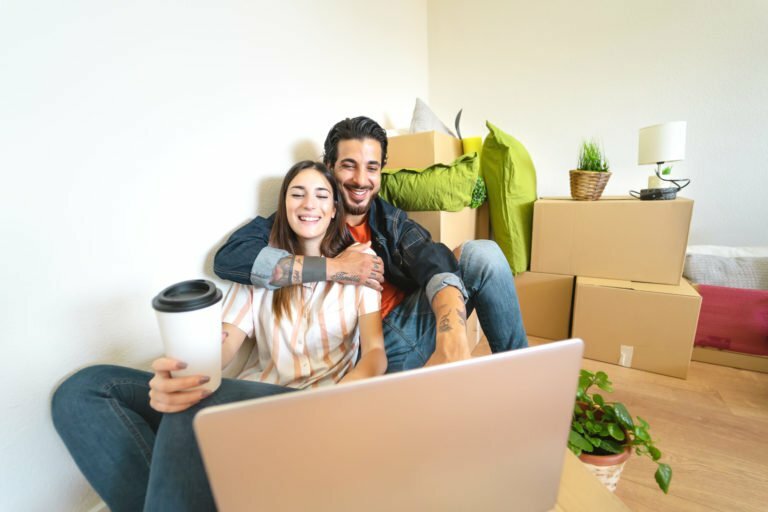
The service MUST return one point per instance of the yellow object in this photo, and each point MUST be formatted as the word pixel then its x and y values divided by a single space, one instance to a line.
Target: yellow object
pixel 472 145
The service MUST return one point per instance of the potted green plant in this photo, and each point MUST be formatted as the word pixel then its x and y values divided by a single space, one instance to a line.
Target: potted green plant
pixel 604 432
pixel 589 179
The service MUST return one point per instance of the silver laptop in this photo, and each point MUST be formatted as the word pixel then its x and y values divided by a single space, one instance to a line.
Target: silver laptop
pixel 483 434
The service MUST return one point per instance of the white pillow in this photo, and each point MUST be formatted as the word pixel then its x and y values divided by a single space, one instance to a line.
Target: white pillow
pixel 424 120
pixel 734 252
pixel 733 267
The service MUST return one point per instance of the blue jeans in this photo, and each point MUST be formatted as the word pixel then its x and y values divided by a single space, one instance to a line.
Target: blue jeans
pixel 135 457
pixel 410 328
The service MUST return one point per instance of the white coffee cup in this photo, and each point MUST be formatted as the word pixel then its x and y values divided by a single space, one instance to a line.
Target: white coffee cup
pixel 189 316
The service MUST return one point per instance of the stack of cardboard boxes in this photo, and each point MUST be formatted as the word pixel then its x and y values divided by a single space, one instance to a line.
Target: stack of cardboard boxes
pixel 420 150
pixel 610 272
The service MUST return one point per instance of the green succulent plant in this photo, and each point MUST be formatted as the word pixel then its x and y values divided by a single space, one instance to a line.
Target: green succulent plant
pixel 591 157
pixel 600 427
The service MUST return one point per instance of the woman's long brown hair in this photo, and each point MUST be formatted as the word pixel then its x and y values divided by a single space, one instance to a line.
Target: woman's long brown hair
pixel 336 239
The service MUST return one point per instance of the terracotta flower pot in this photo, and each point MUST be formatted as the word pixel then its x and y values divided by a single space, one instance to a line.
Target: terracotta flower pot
pixel 607 468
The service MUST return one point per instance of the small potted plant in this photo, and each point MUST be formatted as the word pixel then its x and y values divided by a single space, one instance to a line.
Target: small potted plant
pixel 589 179
pixel 603 434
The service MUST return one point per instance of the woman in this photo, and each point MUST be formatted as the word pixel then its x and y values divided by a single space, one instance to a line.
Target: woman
pixel 111 418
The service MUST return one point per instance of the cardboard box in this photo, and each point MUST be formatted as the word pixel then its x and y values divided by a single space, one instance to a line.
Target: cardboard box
pixel 455 228
pixel 613 238
pixel 420 150
pixel 639 325
pixel 546 301
pixel 484 349
pixel 535 340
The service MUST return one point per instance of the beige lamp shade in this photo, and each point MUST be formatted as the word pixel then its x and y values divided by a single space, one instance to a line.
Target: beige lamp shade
pixel 662 143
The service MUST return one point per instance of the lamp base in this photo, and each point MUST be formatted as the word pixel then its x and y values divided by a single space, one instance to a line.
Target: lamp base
pixel 650 194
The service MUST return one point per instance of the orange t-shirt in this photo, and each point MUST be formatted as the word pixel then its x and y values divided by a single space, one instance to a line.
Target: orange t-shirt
pixel 391 296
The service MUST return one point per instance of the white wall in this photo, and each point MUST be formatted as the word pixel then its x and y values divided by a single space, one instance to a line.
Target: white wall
pixel 134 137
pixel 553 72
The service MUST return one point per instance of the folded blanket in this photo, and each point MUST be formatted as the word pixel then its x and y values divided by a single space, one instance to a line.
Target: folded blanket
pixel 733 319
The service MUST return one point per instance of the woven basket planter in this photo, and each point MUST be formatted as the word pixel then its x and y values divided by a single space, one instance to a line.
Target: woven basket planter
pixel 588 185
pixel 607 468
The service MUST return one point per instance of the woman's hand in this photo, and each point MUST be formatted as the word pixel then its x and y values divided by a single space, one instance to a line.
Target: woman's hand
pixel 172 394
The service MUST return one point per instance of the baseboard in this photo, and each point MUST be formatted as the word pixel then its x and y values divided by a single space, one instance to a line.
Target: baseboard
pixel 727 358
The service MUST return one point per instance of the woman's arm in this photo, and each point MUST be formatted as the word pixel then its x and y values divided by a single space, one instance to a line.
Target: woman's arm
pixel 373 360
pixel 232 338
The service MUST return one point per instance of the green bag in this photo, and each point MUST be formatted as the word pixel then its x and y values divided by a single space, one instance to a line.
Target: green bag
pixel 510 176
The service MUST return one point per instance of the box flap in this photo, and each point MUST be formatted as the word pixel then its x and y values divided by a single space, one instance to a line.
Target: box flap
pixel 420 150
pixel 623 238
pixel 684 288
pixel 603 198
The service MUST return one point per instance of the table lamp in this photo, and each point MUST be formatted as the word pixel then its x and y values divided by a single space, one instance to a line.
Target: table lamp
pixel 659 144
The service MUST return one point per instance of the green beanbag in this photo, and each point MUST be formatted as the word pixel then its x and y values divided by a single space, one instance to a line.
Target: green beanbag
pixel 509 174
pixel 439 187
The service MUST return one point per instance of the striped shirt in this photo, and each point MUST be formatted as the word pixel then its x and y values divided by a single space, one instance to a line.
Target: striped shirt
pixel 316 345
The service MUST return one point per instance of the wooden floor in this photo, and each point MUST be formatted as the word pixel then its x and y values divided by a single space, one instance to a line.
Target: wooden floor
pixel 712 429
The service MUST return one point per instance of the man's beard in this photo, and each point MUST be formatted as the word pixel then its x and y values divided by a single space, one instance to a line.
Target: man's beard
pixel 354 209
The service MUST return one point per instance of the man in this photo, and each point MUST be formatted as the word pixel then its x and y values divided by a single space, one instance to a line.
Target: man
pixel 427 291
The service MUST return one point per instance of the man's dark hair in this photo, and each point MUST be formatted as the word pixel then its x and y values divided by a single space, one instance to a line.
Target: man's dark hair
pixel 359 128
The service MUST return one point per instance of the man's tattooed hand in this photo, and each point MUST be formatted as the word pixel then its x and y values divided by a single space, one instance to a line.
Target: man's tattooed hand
pixel 344 277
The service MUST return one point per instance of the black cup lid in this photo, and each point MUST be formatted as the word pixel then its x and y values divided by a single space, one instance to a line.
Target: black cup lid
pixel 187 296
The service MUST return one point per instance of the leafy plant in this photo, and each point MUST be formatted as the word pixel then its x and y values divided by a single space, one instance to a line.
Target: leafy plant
pixel 479 193
pixel 599 427
pixel 591 157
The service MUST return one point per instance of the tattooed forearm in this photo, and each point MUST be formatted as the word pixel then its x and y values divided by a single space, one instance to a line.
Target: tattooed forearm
pixel 298 269
pixel 444 325
pixel 462 316
pixel 343 277
pixel 281 275
pixel 446 320
pixel 314 269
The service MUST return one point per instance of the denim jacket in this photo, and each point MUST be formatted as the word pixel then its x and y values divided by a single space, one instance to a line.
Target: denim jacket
pixel 411 259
